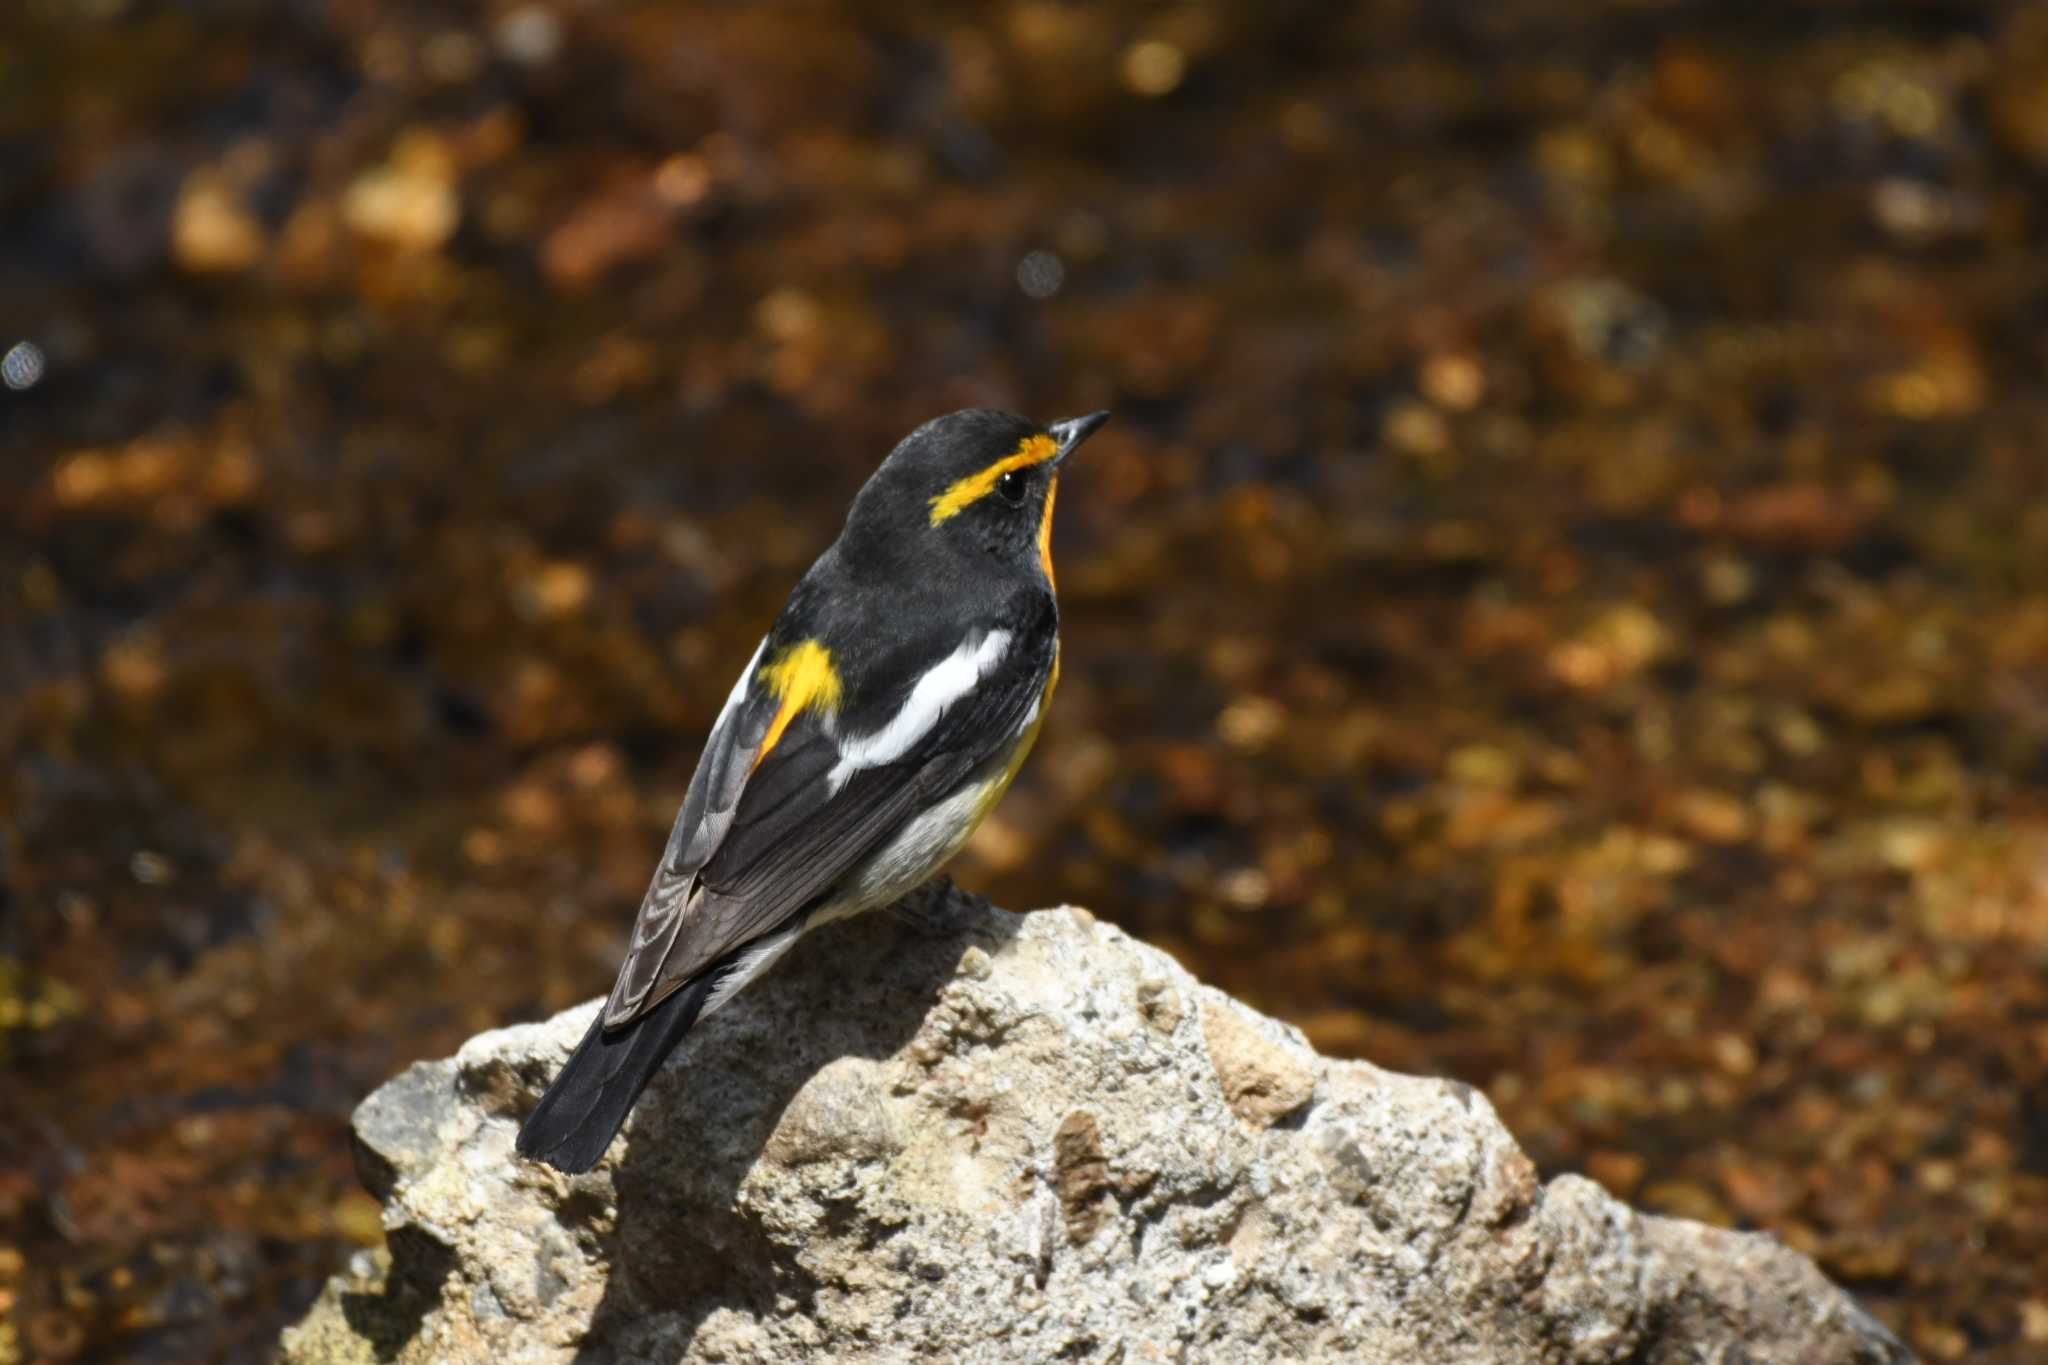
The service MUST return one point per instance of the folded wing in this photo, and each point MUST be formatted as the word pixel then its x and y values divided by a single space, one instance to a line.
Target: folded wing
pixel 762 835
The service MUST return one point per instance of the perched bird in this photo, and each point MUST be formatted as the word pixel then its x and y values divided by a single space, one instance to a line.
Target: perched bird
pixel 883 715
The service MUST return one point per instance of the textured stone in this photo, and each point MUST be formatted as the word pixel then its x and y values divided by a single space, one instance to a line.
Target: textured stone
pixel 979 1136
pixel 1265 1076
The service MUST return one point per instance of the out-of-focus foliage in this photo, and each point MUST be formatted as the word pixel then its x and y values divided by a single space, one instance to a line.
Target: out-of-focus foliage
pixel 1564 602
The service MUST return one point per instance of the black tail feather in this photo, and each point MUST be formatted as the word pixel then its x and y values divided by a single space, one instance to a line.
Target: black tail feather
pixel 586 1106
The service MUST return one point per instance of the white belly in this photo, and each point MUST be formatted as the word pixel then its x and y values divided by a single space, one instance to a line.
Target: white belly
pixel 924 845
pixel 919 849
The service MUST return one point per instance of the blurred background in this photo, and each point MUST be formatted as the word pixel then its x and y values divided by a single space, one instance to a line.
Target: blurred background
pixel 1563 604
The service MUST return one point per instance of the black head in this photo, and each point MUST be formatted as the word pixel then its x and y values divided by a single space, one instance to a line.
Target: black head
pixel 975 481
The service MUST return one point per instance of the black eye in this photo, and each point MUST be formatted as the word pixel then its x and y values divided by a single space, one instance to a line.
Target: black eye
pixel 1012 487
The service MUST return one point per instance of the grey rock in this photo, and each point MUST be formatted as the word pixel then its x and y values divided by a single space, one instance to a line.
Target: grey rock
pixel 969 1135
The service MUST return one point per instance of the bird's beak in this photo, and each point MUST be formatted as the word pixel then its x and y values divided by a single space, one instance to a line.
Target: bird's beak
pixel 1075 430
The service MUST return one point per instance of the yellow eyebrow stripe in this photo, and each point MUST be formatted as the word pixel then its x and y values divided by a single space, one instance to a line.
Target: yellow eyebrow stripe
pixel 1032 450
pixel 802 676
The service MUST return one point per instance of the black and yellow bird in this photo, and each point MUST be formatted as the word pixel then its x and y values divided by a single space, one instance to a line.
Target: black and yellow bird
pixel 883 715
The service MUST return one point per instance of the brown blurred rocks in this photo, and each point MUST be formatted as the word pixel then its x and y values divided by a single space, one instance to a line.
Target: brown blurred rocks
pixel 987 1138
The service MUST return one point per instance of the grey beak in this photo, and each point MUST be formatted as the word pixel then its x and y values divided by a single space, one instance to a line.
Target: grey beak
pixel 1075 430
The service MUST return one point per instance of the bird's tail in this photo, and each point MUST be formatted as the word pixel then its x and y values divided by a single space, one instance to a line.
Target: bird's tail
pixel 583 1110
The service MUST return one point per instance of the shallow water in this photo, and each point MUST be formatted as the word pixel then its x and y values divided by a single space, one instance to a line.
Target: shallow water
pixel 1564 601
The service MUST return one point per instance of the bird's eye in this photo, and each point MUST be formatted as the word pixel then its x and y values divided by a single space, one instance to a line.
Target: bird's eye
pixel 1011 488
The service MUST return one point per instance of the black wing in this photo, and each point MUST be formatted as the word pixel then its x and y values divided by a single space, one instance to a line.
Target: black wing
pixel 759 839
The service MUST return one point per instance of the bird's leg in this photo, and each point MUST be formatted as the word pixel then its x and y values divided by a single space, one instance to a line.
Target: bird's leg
pixel 934 909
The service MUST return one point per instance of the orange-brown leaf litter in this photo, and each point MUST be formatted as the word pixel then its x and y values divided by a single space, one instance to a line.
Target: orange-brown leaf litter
pixel 1563 603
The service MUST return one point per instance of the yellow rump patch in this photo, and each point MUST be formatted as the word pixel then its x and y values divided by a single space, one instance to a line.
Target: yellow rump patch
pixel 1032 450
pixel 802 676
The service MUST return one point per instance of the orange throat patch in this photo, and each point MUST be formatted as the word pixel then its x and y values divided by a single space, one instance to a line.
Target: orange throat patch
pixel 1045 533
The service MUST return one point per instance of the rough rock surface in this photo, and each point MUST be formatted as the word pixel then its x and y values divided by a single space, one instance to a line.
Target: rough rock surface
pixel 980 1136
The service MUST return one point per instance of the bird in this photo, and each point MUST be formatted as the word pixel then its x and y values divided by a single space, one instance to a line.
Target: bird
pixel 882 716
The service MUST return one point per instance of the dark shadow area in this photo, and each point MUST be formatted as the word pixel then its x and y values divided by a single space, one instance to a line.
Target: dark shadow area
pixel 420 1265
pixel 860 988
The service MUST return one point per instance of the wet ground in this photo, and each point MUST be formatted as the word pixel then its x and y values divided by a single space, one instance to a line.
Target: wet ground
pixel 1564 602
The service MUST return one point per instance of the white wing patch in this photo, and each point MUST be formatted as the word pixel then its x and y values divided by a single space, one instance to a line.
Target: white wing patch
pixel 944 683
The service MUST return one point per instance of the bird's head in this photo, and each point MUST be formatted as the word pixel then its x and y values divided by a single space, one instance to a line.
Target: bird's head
pixel 977 480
